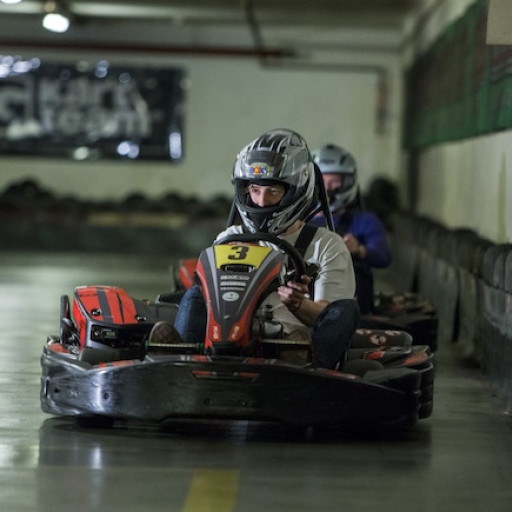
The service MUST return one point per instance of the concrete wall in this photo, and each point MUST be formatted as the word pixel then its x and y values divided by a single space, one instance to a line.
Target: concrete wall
pixel 230 101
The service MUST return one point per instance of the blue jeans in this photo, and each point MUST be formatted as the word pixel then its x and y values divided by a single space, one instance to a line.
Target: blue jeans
pixel 331 333
pixel 191 318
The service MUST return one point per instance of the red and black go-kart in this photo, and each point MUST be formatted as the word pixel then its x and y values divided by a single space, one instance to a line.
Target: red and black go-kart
pixel 101 367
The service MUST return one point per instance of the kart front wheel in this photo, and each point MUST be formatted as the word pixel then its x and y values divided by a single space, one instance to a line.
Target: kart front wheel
pixel 68 334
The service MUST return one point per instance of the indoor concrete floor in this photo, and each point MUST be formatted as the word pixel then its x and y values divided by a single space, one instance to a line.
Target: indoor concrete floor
pixel 460 459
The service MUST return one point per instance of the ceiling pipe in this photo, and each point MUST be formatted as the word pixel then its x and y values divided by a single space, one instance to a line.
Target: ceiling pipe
pixel 208 51
pixel 254 28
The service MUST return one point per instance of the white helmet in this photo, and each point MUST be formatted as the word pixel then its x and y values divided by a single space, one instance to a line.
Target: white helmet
pixel 332 159
pixel 277 157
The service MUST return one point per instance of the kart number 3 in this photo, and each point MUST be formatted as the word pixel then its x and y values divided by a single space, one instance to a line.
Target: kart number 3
pixel 238 252
pixel 253 255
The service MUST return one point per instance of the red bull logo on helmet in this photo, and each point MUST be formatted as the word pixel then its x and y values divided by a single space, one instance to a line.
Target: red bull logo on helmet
pixel 259 170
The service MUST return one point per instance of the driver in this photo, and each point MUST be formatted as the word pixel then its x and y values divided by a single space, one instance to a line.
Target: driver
pixel 362 231
pixel 275 191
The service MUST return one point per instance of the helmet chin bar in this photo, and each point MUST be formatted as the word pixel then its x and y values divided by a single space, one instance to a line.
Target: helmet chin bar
pixel 259 219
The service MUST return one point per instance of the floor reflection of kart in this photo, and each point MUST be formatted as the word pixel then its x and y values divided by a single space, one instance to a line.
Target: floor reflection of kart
pixel 100 368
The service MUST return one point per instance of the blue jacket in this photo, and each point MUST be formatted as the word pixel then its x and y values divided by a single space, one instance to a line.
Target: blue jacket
pixel 368 230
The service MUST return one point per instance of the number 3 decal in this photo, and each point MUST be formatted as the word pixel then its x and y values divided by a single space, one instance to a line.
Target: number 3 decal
pixel 240 252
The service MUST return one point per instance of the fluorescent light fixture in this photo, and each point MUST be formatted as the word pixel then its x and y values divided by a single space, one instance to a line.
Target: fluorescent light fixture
pixel 56 18
pixel 56 22
pixel 10 2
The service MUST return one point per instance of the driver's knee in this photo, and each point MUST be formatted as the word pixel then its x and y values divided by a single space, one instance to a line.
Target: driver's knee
pixel 333 331
pixel 341 315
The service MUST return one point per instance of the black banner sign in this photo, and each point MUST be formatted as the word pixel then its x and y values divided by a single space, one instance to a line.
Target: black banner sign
pixel 90 111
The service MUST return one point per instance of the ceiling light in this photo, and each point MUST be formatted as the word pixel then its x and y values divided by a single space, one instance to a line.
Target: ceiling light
pixel 11 1
pixel 56 22
pixel 56 18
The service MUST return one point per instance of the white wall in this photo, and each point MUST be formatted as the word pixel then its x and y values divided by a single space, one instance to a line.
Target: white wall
pixel 230 101
pixel 470 184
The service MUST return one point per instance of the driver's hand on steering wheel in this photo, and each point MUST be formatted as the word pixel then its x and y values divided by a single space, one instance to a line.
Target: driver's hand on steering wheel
pixel 294 293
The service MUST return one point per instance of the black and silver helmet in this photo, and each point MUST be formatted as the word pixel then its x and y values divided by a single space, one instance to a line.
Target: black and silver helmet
pixel 332 159
pixel 279 156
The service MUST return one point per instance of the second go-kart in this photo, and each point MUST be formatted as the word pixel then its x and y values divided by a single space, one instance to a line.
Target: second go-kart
pixel 101 368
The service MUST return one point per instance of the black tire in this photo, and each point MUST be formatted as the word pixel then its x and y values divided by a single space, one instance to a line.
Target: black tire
pixel 66 324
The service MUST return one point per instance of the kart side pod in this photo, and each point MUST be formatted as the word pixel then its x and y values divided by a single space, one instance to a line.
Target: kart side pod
pixel 108 319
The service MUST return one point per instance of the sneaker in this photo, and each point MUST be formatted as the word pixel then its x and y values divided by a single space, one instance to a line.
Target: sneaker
pixel 163 334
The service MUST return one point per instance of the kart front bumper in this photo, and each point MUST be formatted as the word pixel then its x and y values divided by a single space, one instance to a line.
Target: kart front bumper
pixel 164 387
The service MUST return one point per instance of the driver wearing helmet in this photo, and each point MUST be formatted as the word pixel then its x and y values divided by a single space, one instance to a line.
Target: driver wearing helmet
pixel 363 232
pixel 275 191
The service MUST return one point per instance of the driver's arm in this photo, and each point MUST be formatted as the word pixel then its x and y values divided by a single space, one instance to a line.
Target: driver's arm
pixel 295 297
pixel 335 280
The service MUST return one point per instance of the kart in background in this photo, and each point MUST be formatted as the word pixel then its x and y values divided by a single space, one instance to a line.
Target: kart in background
pixel 100 367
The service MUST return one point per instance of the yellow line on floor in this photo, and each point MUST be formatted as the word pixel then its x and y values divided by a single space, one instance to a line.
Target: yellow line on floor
pixel 212 490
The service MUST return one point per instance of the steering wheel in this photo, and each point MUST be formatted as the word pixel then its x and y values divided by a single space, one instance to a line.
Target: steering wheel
pixel 293 254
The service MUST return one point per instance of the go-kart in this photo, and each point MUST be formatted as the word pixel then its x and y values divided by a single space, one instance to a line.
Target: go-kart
pixel 407 311
pixel 101 367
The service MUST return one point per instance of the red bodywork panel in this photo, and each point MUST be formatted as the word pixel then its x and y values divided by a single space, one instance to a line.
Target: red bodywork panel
pixel 102 304
pixel 186 272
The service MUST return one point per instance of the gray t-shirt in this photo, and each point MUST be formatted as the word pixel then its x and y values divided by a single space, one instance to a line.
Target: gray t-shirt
pixel 335 278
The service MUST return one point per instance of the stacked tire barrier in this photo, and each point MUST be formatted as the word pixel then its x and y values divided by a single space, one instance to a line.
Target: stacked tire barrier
pixel 495 324
pixel 34 219
pixel 468 279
